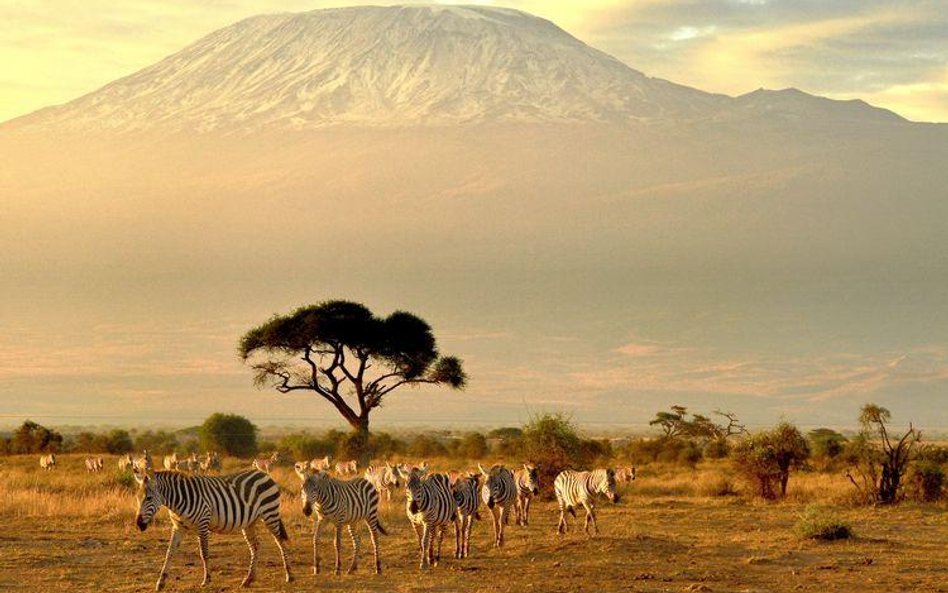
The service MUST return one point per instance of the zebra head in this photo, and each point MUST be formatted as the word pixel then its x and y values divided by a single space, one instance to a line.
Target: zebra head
pixel 607 486
pixel 494 487
pixel 149 500
pixel 531 478
pixel 390 477
pixel 414 489
pixel 312 485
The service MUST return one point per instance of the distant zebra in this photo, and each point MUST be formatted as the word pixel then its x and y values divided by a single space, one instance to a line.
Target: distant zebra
pixel 528 486
pixel 170 461
pixel 265 465
pixel 322 464
pixel 125 463
pixel 94 464
pixel 430 508
pixel 191 464
pixel 580 488
pixel 625 474
pixel 143 463
pixel 466 492
pixel 48 462
pixel 384 478
pixel 500 495
pixel 342 503
pixel 345 468
pixel 223 504
pixel 212 462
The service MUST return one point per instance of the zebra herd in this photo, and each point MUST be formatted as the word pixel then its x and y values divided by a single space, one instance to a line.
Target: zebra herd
pixel 191 464
pixel 434 501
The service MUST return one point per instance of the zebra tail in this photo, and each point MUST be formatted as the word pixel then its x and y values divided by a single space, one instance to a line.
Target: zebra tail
pixel 282 534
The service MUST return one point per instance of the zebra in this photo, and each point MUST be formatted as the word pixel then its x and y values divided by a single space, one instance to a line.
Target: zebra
pixel 125 463
pixel 342 503
pixel 212 462
pixel 347 467
pixel 222 504
pixel 625 474
pixel 384 478
pixel 265 465
pixel 430 508
pixel 93 464
pixel 322 464
pixel 48 462
pixel 143 463
pixel 191 464
pixel 528 486
pixel 574 488
pixel 465 490
pixel 500 495
pixel 170 461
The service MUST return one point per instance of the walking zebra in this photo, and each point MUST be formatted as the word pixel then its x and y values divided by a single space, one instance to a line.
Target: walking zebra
pixel 143 463
pixel 264 465
pixel 430 508
pixel 170 461
pixel 94 464
pixel 384 478
pixel 466 490
pixel 223 504
pixel 322 464
pixel 528 486
pixel 500 495
pixel 48 462
pixel 212 462
pixel 580 488
pixel 342 503
pixel 625 474
pixel 125 463
pixel 345 468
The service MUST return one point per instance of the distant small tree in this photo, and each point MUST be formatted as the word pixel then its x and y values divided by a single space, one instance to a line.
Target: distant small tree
pixel 767 458
pixel 472 446
pixel 551 442
pixel 344 354
pixel 158 441
pixel 877 463
pixel 230 434
pixel 118 441
pixel 31 437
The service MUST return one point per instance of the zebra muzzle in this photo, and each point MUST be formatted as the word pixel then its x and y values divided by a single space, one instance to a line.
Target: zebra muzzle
pixel 141 523
pixel 307 510
pixel 413 507
pixel 490 503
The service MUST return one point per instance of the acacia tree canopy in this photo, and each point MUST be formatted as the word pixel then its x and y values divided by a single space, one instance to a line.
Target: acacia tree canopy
pixel 347 355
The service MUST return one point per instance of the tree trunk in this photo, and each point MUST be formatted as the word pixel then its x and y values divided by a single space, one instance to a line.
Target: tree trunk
pixel 357 444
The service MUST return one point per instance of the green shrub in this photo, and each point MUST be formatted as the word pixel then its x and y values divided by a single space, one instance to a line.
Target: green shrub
pixel 818 523
pixel 928 480
pixel 229 434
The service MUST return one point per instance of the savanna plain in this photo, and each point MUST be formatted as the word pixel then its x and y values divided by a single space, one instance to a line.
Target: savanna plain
pixel 674 529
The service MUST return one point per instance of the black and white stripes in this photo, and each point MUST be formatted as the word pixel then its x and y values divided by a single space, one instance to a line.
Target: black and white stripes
pixel 342 503
pixel 500 495
pixel 222 504
pixel 466 494
pixel 580 488
pixel 430 508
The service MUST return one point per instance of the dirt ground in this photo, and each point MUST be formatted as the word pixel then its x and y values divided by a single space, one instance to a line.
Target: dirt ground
pixel 648 543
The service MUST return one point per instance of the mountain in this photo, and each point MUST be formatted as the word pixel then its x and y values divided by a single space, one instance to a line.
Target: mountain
pixel 587 238
pixel 385 66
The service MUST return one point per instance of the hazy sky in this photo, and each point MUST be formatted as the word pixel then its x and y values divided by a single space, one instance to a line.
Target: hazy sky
pixel 891 53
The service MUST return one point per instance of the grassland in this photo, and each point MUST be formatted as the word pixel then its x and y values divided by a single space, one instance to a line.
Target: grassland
pixel 673 531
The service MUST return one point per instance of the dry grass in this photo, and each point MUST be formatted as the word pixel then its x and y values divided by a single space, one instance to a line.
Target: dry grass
pixel 70 531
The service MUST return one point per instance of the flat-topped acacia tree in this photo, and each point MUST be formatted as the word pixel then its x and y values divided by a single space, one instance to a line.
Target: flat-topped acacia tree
pixel 345 354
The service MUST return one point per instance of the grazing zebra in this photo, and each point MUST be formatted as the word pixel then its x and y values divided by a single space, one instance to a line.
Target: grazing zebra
pixel 384 478
pixel 322 464
pixel 465 490
pixel 342 503
pixel 265 465
pixel 500 495
pixel 48 462
pixel 212 462
pixel 528 486
pixel 170 461
pixel 143 463
pixel 94 464
pixel 345 468
pixel 430 508
pixel 222 504
pixel 191 464
pixel 125 463
pixel 580 488
pixel 625 474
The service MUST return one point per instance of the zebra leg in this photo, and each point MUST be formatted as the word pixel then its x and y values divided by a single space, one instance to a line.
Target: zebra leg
pixel 172 546
pixel 355 550
pixel 374 536
pixel 562 526
pixel 286 560
pixel 337 544
pixel 319 522
pixel 495 520
pixel 589 516
pixel 466 533
pixel 437 558
pixel 458 551
pixel 526 509
pixel 504 514
pixel 425 546
pixel 416 527
pixel 250 534
pixel 202 541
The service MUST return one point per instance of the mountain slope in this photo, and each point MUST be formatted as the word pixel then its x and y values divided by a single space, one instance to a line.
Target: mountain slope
pixel 378 66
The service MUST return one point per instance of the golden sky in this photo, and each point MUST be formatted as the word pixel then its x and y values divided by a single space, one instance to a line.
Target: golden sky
pixel 892 54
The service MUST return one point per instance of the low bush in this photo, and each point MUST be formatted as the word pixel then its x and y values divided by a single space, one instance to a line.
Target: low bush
pixel 821 524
